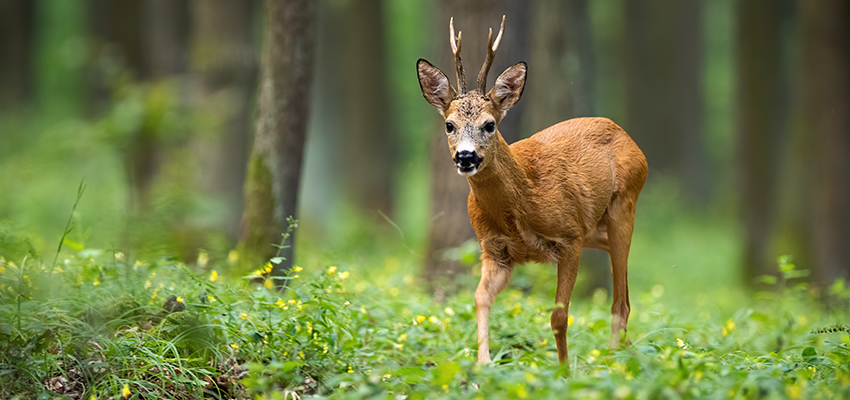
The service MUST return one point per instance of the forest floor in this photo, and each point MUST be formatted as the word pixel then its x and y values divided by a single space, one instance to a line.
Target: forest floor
pixel 98 325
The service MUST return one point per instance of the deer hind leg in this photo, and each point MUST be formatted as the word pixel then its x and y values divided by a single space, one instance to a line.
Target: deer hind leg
pixel 567 272
pixel 494 278
pixel 620 221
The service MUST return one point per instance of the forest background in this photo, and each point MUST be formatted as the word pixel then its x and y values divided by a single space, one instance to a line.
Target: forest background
pixel 741 108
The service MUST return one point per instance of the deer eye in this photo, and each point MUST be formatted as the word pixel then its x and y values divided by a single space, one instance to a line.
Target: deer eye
pixel 450 127
pixel 490 127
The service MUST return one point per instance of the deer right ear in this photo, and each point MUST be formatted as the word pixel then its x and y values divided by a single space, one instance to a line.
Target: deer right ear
pixel 435 85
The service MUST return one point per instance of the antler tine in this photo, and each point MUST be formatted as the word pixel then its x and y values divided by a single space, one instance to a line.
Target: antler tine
pixel 491 53
pixel 461 82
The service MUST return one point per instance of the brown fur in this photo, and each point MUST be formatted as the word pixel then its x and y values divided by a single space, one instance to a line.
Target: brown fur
pixel 572 185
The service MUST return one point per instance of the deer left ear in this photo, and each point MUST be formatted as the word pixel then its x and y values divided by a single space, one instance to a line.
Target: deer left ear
pixel 509 86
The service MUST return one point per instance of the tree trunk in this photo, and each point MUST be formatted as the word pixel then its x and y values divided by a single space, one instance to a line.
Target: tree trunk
pixel 16 44
pixel 450 226
pixel 826 108
pixel 663 77
pixel 760 128
pixel 274 167
pixel 225 63
pixel 369 161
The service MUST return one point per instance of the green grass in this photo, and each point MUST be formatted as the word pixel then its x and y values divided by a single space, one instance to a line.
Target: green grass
pixel 358 324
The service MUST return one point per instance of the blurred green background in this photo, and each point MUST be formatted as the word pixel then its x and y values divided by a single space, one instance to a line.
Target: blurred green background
pixel 741 108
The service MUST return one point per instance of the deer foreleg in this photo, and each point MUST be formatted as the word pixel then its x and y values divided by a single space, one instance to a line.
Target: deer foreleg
pixel 494 278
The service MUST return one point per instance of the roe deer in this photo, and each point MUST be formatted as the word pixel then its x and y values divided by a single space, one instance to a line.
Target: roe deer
pixel 572 185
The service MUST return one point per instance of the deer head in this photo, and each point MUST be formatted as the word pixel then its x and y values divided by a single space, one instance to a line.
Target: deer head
pixel 472 117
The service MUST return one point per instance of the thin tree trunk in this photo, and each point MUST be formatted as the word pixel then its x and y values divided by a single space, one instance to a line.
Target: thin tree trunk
pixel 760 104
pixel 367 181
pixel 274 167
pixel 16 43
pixel 826 107
pixel 663 77
pixel 225 62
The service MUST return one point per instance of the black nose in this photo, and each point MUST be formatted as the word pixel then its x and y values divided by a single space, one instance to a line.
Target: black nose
pixel 466 159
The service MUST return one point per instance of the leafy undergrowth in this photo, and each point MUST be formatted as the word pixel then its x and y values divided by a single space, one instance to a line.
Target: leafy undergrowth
pixel 97 325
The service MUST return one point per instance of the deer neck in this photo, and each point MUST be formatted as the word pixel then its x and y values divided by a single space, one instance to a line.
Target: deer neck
pixel 500 187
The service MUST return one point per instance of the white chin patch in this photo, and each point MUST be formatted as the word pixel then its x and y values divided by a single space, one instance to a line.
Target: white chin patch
pixel 467 173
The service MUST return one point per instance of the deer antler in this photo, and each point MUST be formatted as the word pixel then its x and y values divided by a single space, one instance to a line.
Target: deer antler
pixel 491 53
pixel 461 82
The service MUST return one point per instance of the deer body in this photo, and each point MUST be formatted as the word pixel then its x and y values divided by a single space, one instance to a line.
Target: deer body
pixel 572 185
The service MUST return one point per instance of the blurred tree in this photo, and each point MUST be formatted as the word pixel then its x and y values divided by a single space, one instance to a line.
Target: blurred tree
pixel 368 161
pixel 825 135
pixel 274 167
pixel 16 43
pixel 762 96
pixel 664 49
pixel 165 37
pixel 225 63
pixel 450 226
pixel 561 86
pixel 147 40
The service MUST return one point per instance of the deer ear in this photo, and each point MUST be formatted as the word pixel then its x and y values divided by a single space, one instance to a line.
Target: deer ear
pixel 509 86
pixel 435 85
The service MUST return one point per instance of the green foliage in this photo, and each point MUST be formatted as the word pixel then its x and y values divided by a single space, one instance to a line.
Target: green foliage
pixel 98 321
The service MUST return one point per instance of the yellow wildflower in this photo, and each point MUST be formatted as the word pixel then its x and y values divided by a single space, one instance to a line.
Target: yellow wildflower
pixel 213 276
pixel 268 284
pixel 281 303
pixel 728 327
pixel 387 376
pixel 331 269
pixel 350 371
pixel 93 397
pixel 126 391
pixel 211 299
pixel 420 318
pixel 179 299
pixel 268 267
pixel 344 275
pixel 681 343
pixel 234 346
pixel 232 257
pixel 394 291
pixel 449 311
pixel 95 283
pixel 402 337
pixel 138 264
pixel 570 321
pixel 433 319
pixel 399 346
pixel 297 269
pixel 120 256
pixel 154 294
pixel 147 284
pixel 243 315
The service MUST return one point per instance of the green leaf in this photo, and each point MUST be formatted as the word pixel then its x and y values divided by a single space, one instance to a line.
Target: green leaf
pixel 72 244
pixel 277 260
pixel 763 318
pixel 809 353
pixel 445 373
